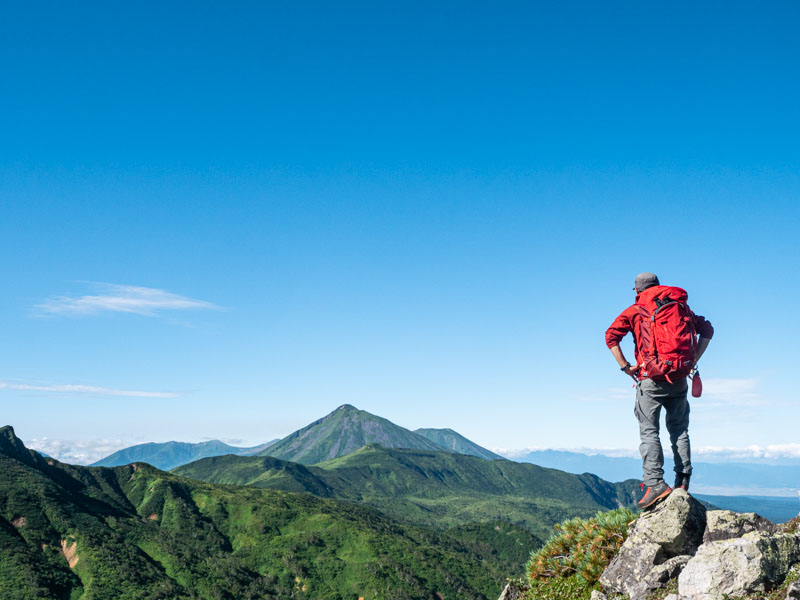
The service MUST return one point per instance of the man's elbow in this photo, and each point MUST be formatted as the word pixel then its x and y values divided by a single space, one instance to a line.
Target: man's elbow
pixel 613 338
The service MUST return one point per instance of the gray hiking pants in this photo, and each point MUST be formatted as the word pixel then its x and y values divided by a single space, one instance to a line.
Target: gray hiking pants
pixel 650 397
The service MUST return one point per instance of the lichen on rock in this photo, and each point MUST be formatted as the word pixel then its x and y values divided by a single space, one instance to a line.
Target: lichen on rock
pixel 726 524
pixel 755 562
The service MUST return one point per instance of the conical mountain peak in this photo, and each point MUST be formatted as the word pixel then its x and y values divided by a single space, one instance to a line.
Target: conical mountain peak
pixel 345 410
pixel 343 431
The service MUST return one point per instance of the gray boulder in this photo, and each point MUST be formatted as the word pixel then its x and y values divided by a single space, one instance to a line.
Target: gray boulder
pixel 658 576
pixel 631 566
pixel 659 543
pixel 677 524
pixel 726 524
pixel 756 562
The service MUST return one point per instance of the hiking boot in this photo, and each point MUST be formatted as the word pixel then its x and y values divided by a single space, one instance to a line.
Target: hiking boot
pixel 654 494
pixel 682 481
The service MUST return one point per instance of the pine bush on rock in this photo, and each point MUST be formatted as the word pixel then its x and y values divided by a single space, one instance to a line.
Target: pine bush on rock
pixel 579 552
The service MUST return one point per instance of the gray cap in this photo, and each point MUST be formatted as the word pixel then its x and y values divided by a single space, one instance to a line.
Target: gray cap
pixel 644 281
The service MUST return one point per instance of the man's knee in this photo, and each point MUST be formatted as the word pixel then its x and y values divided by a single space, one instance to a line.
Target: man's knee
pixel 677 442
pixel 650 446
pixel 649 423
pixel 678 429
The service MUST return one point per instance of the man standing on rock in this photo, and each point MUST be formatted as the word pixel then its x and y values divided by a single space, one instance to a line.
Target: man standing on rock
pixel 667 349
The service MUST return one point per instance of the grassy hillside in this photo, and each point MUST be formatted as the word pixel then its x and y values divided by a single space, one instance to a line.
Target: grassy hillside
pixel 455 442
pixel 341 432
pixel 137 532
pixel 432 488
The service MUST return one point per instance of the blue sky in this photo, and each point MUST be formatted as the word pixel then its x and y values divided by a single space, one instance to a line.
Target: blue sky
pixel 225 221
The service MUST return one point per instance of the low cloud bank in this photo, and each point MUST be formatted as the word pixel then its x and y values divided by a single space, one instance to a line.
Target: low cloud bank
pixel 76 452
pixel 752 453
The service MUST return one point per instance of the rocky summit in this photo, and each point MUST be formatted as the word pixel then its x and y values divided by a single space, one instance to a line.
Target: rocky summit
pixel 715 554
pixel 658 546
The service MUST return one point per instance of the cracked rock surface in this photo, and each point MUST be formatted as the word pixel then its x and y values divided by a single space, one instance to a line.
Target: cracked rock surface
pixel 659 543
pixel 755 562
pixel 726 524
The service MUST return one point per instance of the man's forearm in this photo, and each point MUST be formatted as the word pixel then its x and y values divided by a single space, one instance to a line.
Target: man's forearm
pixel 702 344
pixel 619 356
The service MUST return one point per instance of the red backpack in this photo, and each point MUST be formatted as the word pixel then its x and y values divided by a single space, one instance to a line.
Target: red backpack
pixel 667 337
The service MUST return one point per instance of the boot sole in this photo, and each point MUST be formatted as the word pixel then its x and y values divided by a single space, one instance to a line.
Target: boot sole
pixel 664 494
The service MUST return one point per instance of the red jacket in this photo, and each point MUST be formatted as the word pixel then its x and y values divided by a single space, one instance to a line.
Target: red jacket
pixel 628 322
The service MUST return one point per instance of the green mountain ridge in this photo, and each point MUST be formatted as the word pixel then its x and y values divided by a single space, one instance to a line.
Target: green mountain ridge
pixel 94 533
pixel 168 455
pixel 432 488
pixel 342 432
pixel 455 442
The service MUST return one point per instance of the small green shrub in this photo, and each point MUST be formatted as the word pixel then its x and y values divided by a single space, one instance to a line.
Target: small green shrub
pixel 581 548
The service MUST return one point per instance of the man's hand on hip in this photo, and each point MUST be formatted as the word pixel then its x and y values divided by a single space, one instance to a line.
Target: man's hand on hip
pixel 631 370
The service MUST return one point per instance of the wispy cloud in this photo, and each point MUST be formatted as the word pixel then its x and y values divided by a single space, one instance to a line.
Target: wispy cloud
pixel 741 392
pixel 111 297
pixel 730 392
pixel 730 388
pixel 67 388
